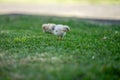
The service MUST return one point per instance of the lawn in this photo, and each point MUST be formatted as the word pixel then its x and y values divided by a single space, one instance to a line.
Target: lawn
pixel 89 52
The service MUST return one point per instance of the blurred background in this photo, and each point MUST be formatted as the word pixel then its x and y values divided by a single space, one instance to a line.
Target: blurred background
pixel 97 9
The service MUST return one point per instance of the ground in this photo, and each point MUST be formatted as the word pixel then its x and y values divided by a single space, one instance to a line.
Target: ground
pixel 111 12
pixel 90 51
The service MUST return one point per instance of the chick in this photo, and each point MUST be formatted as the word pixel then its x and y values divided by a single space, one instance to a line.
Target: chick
pixel 48 28
pixel 60 30
pixel 56 29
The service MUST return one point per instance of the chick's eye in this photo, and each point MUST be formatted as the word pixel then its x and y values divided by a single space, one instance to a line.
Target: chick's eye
pixel 56 31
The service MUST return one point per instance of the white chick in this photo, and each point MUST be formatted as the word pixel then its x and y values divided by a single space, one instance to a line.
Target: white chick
pixel 48 28
pixel 60 30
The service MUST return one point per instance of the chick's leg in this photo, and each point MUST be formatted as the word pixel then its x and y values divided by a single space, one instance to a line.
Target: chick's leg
pixel 59 38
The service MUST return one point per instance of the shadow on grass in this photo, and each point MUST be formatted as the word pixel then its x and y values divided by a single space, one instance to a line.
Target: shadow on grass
pixel 91 20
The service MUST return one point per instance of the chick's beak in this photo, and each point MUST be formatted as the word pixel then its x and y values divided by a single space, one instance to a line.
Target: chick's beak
pixel 68 29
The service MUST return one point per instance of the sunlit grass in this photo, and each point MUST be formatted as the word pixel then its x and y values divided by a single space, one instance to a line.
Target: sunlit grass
pixel 89 51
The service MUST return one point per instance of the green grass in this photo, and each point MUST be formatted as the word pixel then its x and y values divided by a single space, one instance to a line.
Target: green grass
pixel 88 52
pixel 63 1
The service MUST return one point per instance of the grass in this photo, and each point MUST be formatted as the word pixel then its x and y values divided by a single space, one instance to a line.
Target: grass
pixel 88 52
pixel 63 1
